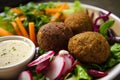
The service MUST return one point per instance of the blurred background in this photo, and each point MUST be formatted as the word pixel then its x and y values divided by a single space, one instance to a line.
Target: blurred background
pixel 109 5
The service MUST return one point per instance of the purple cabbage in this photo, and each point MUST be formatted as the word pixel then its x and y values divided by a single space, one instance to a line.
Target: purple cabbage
pixel 102 16
pixel 105 17
pixel 111 33
pixel 112 37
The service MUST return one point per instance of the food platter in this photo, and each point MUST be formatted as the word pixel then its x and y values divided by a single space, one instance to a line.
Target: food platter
pixel 113 72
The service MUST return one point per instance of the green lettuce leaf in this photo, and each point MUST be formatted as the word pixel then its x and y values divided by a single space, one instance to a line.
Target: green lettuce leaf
pixel 7 26
pixel 104 27
pixel 76 7
pixel 79 73
pixel 115 49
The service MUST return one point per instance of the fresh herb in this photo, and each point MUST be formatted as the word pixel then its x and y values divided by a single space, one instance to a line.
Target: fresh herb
pixel 41 51
pixel 3 54
pixel 35 13
pixel 39 77
pixel 13 48
pixel 79 73
pixel 114 57
pixel 105 26
pixel 38 20
pixel 8 15
pixel 32 11
pixel 7 26
pixel 76 7
pixel 115 50
pixel 7 63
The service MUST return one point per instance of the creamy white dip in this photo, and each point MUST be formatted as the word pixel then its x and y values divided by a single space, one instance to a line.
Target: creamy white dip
pixel 13 51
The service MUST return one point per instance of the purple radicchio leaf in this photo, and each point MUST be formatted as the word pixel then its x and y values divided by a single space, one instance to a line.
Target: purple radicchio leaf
pixel 103 16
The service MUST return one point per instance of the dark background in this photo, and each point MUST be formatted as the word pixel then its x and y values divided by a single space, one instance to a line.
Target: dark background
pixel 109 5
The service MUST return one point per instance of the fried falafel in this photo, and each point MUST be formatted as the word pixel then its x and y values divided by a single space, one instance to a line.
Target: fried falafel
pixel 89 47
pixel 79 22
pixel 54 36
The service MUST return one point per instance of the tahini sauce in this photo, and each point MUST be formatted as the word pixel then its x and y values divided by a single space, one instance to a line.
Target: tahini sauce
pixel 13 51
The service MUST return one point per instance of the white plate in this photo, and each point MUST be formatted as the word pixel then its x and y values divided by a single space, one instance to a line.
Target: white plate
pixel 113 72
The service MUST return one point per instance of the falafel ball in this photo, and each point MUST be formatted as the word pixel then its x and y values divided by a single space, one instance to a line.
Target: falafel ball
pixel 89 47
pixel 54 36
pixel 79 22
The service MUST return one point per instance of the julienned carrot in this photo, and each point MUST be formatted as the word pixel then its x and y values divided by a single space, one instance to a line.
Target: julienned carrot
pixel 51 10
pixel 57 15
pixel 3 32
pixel 15 10
pixel 16 28
pixel 22 18
pixel 65 7
pixel 32 32
pixel 21 27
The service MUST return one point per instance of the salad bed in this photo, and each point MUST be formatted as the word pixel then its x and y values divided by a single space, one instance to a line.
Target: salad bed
pixel 26 20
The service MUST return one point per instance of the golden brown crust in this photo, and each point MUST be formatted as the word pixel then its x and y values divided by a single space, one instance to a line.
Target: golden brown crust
pixel 79 22
pixel 53 36
pixel 89 47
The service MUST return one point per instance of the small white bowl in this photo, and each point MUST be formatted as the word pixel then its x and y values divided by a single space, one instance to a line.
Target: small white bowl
pixel 12 71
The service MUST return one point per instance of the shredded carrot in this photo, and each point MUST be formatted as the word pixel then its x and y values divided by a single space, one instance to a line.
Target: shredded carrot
pixel 66 6
pixel 32 32
pixel 16 28
pixel 51 10
pixel 4 32
pixel 22 18
pixel 57 15
pixel 21 27
pixel 15 10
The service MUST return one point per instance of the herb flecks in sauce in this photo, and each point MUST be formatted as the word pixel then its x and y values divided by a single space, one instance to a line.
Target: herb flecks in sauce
pixel 13 48
pixel 3 54
pixel 13 51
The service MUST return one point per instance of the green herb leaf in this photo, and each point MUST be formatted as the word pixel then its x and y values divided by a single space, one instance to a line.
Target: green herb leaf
pixel 7 26
pixel 104 27
pixel 114 57
pixel 76 7
pixel 39 77
pixel 115 48
pixel 79 73
pixel 41 51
